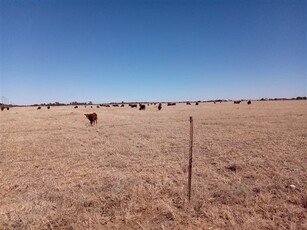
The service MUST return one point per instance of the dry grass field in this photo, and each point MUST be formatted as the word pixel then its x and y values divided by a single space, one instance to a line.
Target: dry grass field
pixel 130 171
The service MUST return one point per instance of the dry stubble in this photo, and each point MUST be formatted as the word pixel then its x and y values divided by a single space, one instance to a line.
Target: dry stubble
pixel 130 171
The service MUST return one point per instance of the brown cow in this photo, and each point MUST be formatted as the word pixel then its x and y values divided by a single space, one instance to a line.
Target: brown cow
pixel 171 104
pixel 92 117
pixel 188 103
pixel 236 102
pixel 76 107
pixel 48 107
pixel 38 107
pixel 160 106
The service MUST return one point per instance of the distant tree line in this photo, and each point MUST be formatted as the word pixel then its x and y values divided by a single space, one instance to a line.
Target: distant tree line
pixel 77 103
pixel 91 103
pixel 63 104
pixel 50 104
pixel 81 103
pixel 283 99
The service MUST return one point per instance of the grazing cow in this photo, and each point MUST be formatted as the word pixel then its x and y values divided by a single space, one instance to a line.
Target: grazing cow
pixel 122 105
pixel 48 107
pixel 142 107
pixel 188 103
pixel 115 105
pixel 196 103
pixel 76 107
pixel 98 107
pixel 92 117
pixel 160 106
pixel 38 107
pixel 133 105
pixel 171 104
pixel 236 102
pixel 249 102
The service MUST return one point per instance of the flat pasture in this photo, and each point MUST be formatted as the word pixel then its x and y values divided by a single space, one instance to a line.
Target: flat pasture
pixel 130 170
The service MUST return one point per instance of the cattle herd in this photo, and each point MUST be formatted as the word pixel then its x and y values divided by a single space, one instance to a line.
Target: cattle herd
pixel 3 108
pixel 238 102
pixel 92 117
pixel 135 105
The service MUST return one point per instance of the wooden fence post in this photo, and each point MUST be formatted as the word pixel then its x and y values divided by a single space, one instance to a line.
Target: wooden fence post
pixel 190 159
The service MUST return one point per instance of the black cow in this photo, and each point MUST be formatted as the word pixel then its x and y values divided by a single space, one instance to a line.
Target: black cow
pixel 249 102
pixel 133 105
pixel 160 106
pixel 142 107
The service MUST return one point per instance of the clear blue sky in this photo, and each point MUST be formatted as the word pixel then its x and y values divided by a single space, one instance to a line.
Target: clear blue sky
pixel 151 50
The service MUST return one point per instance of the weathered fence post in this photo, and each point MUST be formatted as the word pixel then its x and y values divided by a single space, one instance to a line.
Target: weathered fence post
pixel 190 159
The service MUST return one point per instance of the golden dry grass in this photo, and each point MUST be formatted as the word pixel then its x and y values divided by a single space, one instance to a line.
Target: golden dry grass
pixel 130 171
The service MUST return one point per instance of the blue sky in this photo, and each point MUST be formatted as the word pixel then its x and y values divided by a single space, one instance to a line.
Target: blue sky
pixel 151 50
